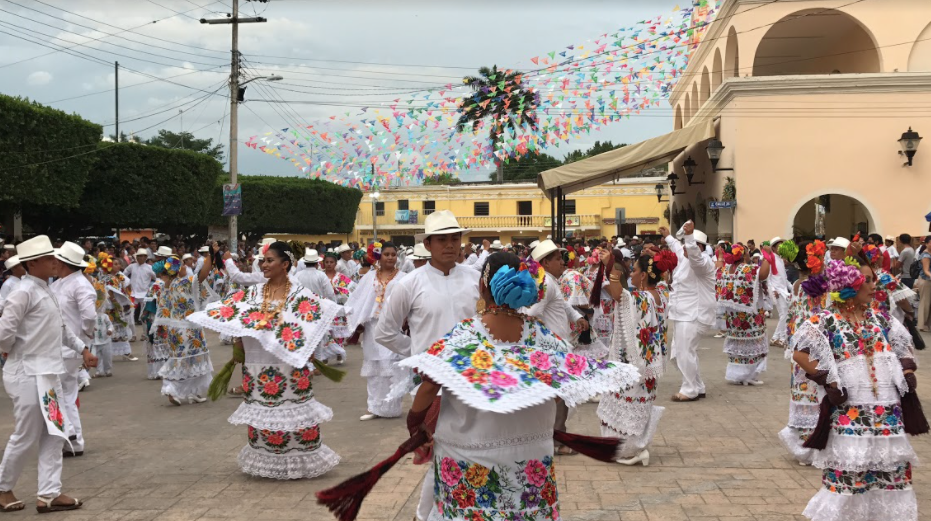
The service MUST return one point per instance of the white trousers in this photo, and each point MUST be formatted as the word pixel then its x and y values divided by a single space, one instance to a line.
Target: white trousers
pixel 685 352
pixel 69 401
pixel 104 353
pixel 378 388
pixel 427 500
pixel 782 307
pixel 30 429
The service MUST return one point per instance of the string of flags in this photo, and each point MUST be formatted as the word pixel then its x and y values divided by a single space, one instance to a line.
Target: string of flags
pixel 580 89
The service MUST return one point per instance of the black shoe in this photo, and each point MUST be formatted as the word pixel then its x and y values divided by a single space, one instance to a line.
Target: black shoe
pixel 73 437
pixel 702 395
pixel 69 454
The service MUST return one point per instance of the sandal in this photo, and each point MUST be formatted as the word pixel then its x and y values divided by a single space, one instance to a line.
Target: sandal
pixel 236 391
pixel 50 506
pixel 13 506
pixel 563 450
pixel 679 397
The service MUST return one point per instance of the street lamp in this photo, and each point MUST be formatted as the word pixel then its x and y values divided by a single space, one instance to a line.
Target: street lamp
pixel 689 166
pixel 715 148
pixel 242 86
pixel 374 196
pixel 909 143
pixel 673 178
pixel 659 193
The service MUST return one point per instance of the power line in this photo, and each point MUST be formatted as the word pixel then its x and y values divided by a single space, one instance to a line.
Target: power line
pixel 135 84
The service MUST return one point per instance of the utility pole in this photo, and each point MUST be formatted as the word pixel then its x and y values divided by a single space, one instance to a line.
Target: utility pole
pixel 235 20
pixel 181 115
pixel 116 91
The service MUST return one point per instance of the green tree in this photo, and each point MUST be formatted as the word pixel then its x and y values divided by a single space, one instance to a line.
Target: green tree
pixel 125 139
pixel 502 98
pixel 442 179
pixel 45 155
pixel 290 204
pixel 137 186
pixel 186 141
pixel 597 148
pixel 526 168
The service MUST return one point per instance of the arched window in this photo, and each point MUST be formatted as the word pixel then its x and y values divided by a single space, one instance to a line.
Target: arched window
pixel 717 75
pixel 732 55
pixel 705 92
pixel 919 60
pixel 695 105
pixel 687 109
pixel 678 121
pixel 816 41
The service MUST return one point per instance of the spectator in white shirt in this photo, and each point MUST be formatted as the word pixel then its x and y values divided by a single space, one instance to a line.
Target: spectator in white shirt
pixel 17 271
pixel 141 278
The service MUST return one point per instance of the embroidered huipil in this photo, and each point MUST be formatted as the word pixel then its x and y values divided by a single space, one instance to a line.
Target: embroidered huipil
pixel 804 395
pixel 889 292
pixel 493 446
pixel 120 311
pixel 867 463
pixel 740 297
pixel 282 417
pixel 155 354
pixel 553 310
pixel 188 370
pixel 379 363
pixel 640 339
pixel 576 290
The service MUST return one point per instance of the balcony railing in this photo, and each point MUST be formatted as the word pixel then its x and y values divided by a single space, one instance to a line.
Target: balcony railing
pixel 490 222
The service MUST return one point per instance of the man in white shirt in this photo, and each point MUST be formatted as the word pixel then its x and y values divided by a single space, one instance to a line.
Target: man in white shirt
pixel 470 256
pixel 556 314
pixel 315 279
pixel 77 299
pixel 31 333
pixel 203 251
pixel 141 278
pixel 692 306
pixel 17 271
pixel 345 264
pixel 779 290
pixel 432 299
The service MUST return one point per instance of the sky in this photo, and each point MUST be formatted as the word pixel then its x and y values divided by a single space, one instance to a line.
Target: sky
pixel 327 52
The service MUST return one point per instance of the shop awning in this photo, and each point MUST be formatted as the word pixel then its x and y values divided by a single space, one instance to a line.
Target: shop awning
pixel 623 162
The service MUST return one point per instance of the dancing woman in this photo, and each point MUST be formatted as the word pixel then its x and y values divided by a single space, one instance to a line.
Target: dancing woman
pixel 740 300
pixel 803 394
pixel 639 339
pixel 343 286
pixel 279 324
pixel 187 371
pixel 501 372
pixel 379 364
pixel 863 359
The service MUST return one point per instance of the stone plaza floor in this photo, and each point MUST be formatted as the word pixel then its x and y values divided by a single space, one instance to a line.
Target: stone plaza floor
pixel 716 459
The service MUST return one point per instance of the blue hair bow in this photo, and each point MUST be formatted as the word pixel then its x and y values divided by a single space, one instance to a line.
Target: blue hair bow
pixel 513 288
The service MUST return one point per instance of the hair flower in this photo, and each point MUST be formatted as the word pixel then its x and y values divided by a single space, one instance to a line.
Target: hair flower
pixel 513 288
pixel 788 250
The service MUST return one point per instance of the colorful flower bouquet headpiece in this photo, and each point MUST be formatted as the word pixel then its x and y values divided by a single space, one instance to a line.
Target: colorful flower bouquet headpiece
pixel 872 254
pixel 734 254
pixel 844 279
pixel 788 250
pixel 172 265
pixel 512 288
pixel 105 262
pixel 373 253
pixel 358 255
pixel 815 252
pixel 663 260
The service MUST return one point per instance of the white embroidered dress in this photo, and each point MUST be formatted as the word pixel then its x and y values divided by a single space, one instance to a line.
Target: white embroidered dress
pixel 493 446
pixel 867 463
pixel 282 417
pixel 379 365
pixel 639 339
pixel 740 299
pixel 187 371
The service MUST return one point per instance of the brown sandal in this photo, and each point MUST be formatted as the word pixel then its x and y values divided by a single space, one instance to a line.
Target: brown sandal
pixel 13 506
pixel 50 505
pixel 679 397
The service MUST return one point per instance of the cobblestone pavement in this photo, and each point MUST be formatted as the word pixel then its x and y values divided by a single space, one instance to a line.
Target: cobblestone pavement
pixel 717 459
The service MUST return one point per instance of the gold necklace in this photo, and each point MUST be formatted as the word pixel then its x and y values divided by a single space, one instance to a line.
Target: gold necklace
pixel 501 310
pixel 380 295
pixel 271 316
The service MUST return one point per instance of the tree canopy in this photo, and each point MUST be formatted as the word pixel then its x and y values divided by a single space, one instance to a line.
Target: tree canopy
pixel 527 167
pixel 442 179
pixel 45 154
pixel 186 141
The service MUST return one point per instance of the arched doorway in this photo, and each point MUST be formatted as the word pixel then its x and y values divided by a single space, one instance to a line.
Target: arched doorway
pixel 816 41
pixel 832 215
pixel 732 55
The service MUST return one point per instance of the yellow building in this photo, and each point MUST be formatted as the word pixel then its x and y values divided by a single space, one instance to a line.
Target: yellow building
pixel 506 212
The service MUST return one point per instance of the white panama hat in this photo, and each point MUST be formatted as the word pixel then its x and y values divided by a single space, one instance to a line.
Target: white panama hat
pixel 496 245
pixel 533 244
pixel 186 256
pixel 11 263
pixel 776 240
pixel 342 247
pixel 72 254
pixel 38 246
pixel 839 242
pixel 442 222
pixel 543 249
pixel 421 252
pixel 311 255
pixel 142 251
pixel 204 249
pixel 163 251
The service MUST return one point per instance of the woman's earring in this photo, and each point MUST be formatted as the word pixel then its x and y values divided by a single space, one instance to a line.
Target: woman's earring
pixel 480 305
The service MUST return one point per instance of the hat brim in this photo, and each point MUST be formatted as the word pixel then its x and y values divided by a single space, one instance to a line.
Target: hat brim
pixel 52 253
pixel 448 231
pixel 314 260
pixel 69 262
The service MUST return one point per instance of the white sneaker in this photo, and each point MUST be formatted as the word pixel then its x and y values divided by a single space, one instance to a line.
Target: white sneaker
pixel 719 335
pixel 643 458
pixel 753 382
pixel 368 416
pixel 83 385
pixel 130 358
pixel 197 399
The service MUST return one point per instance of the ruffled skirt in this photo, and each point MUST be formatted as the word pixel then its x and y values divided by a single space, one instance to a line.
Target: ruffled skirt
pixel 283 419
pixel 746 358
pixel 631 415
pixel 803 415
pixel 187 371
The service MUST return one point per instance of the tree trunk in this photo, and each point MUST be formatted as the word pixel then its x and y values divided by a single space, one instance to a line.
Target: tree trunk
pixel 500 169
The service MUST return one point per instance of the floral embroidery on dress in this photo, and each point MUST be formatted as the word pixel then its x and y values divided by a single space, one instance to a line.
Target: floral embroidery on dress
pixel 309 437
pixel 851 482
pixel 300 382
pixel 274 441
pixel 52 410
pixel 524 490
pixel 868 420
pixel 271 383
pixel 743 325
pixel 308 309
pixel 496 372
pixel 740 290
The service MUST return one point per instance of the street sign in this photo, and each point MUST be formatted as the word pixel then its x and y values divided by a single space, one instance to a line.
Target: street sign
pixel 722 205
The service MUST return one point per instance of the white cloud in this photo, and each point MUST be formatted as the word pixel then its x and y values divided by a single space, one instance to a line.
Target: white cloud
pixel 39 78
